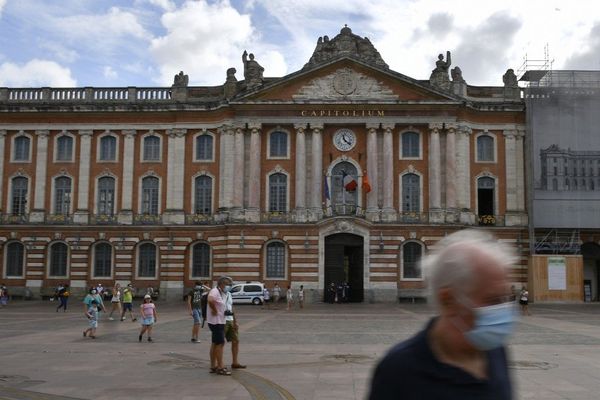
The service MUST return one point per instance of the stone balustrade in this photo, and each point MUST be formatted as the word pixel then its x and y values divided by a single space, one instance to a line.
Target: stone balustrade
pixel 87 94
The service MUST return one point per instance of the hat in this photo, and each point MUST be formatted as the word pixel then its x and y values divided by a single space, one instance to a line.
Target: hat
pixel 147 297
pixel 94 291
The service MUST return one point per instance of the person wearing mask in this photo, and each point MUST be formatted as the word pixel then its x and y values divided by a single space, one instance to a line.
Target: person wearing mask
pixel 232 332
pixel 216 324
pixel 460 354
pixel 194 306
pixel 87 302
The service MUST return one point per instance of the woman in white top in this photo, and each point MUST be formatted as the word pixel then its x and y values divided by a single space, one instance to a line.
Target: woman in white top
pixel 290 297
pixel 115 301
pixel 301 296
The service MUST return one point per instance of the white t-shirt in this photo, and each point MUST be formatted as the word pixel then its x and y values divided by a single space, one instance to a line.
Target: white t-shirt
pixel 219 300
pixel 229 306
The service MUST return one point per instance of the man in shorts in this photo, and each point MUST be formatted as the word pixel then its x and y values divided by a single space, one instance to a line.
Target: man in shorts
pixel 216 323
pixel 231 332
pixel 194 298
pixel 128 303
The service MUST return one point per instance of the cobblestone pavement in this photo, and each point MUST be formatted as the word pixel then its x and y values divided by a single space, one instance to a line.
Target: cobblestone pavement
pixel 322 352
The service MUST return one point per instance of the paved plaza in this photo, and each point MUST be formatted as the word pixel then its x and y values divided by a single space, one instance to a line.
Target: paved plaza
pixel 323 352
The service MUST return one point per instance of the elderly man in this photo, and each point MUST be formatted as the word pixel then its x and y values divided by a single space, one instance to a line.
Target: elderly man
pixel 216 323
pixel 460 354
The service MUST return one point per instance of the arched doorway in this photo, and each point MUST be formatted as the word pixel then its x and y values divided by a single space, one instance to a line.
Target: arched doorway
pixel 485 200
pixel 344 263
pixel 591 270
pixel 344 193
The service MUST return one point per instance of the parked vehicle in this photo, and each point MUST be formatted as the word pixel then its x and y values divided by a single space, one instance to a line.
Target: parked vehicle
pixel 247 293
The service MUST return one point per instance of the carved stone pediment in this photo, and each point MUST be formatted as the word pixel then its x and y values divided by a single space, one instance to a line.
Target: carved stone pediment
pixel 345 83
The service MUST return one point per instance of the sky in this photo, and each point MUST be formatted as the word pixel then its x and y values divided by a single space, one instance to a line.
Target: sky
pixel 144 43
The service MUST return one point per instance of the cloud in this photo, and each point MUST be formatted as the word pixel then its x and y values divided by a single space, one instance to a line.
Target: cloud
pixel 116 23
pixel 590 57
pixel 2 4
pixel 205 39
pixel 60 52
pixel 35 73
pixel 109 72
pixel 163 4
pixel 440 24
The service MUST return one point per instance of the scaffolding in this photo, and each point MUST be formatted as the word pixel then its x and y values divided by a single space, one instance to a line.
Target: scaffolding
pixel 558 241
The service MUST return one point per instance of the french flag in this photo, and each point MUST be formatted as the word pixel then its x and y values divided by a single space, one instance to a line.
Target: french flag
pixel 349 182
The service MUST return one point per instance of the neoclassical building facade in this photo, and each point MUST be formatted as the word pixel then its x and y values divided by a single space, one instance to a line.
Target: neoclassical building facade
pixel 344 171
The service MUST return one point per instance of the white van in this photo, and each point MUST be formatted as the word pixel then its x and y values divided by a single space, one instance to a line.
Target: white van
pixel 247 293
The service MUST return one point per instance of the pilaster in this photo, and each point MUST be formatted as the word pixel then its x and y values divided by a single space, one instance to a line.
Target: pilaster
pixel 38 213
pixel 174 213
pixel 253 210
pixel 227 157
pixel 238 167
pixel 125 215
pixel 316 211
pixel 451 182
pixel 81 215
pixel 463 175
pixel 2 144
pixel 300 173
pixel 388 212
pixel 436 214
pixel 373 211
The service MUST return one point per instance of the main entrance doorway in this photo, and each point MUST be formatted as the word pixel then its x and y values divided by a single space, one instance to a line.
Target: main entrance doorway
pixel 591 271
pixel 344 264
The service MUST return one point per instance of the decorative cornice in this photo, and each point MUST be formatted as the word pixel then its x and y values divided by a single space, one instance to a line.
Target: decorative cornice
pixel 177 132
pixel 129 133
pixel 388 126
pixel 42 133
pixel 436 127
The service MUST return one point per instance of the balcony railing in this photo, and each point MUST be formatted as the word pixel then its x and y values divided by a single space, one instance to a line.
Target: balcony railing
pixel 147 219
pixel 59 219
pixel 276 217
pixel 103 219
pixel 491 220
pixel 14 219
pixel 413 217
pixel 200 219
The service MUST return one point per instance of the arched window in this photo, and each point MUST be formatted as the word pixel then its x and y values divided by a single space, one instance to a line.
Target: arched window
pixel 278 192
pixel 201 260
pixel 485 148
pixel 106 195
pixel 102 260
pixel 19 195
pixel 278 144
pixel 152 148
pixel 58 259
pixel 62 195
pixel 147 260
pixel 411 193
pixel 344 188
pixel 15 255
pixel 410 145
pixel 150 195
pixel 108 148
pixel 204 148
pixel 203 195
pixel 64 148
pixel 411 258
pixel 21 150
pixel 275 260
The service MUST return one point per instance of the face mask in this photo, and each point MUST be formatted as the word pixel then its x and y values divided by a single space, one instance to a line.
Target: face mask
pixel 198 287
pixel 493 325
pixel 227 289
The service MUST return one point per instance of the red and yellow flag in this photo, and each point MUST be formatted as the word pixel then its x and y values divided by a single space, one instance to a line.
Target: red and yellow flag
pixel 366 186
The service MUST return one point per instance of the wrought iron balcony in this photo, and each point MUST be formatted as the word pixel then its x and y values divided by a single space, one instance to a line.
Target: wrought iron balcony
pixel 491 220
pixel 413 217
pixel 276 217
pixel 14 219
pixel 199 219
pixel 147 219
pixel 103 219
pixel 59 219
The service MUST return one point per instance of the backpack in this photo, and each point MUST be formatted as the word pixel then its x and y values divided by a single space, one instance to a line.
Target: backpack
pixel 197 298
pixel 204 306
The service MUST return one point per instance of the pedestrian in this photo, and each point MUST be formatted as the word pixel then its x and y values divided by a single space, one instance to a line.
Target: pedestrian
pixel 3 295
pixel 128 303
pixel 115 301
pixel 93 296
pixel 232 332
pixel 63 296
pixel 266 298
pixel 301 296
pixel 524 301
pixel 289 296
pixel 100 290
pixel 92 315
pixel 194 303
pixel 276 294
pixel 148 316
pixel 331 293
pixel 216 323
pixel 150 291
pixel 57 289
pixel 460 354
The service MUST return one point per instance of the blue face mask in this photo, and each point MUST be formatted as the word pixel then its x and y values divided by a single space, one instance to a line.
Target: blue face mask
pixel 493 325
pixel 227 289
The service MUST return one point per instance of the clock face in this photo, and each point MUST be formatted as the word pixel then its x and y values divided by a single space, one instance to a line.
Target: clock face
pixel 344 140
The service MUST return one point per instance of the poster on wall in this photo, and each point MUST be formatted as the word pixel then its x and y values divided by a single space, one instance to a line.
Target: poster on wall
pixel 557 273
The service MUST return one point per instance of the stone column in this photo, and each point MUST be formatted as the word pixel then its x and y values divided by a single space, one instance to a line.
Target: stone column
pixel 254 186
pixel 300 183
pixel 373 173
pixel 520 175
pixel 511 178
pixel 388 213
pixel 436 214
pixel 81 215
pixel 38 213
pixel 174 213
pixel 451 182
pixel 125 215
pixel 463 175
pixel 316 211
pixel 238 175
pixel 226 164
pixel 2 141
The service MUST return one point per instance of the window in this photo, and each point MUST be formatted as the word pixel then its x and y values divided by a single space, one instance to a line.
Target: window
pixel 151 148
pixel 62 195
pixel 102 260
pixel 278 192
pixel 58 259
pixel 252 289
pixel 203 195
pixel 147 260
pixel 411 193
pixel 411 257
pixel 204 148
pixel 485 148
pixel 410 145
pixel 150 195
pixel 21 151
pixel 106 195
pixel 64 148
pixel 278 144
pixel 201 260
pixel 275 260
pixel 15 254
pixel 19 195
pixel 108 148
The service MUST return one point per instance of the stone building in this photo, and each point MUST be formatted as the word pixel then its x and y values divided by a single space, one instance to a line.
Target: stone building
pixel 342 171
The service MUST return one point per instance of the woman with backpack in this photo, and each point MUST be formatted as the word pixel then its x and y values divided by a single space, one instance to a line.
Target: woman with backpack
pixel 194 303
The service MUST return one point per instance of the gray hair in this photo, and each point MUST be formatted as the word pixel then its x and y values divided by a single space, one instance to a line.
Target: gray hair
pixel 453 263
pixel 224 279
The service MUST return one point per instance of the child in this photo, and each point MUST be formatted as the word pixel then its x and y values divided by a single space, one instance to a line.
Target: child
pixel 290 297
pixel 92 315
pixel 149 317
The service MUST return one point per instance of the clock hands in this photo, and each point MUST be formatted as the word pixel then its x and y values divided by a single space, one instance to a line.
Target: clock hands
pixel 346 140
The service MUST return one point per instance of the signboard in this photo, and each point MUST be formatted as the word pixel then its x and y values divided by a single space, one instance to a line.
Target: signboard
pixel 557 273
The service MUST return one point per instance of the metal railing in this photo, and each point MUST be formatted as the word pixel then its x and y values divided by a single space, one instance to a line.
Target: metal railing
pixel 14 219
pixel 200 219
pixel 103 219
pixel 59 219
pixel 147 219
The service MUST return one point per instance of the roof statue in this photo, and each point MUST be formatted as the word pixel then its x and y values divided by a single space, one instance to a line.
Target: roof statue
pixel 510 79
pixel 439 76
pixel 456 74
pixel 230 86
pixel 253 71
pixel 180 80
pixel 345 43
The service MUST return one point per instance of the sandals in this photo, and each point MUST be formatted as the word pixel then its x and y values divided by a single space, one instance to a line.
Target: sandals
pixel 223 371
pixel 237 366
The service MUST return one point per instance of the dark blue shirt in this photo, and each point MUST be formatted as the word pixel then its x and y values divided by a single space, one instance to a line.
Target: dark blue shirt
pixel 410 371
